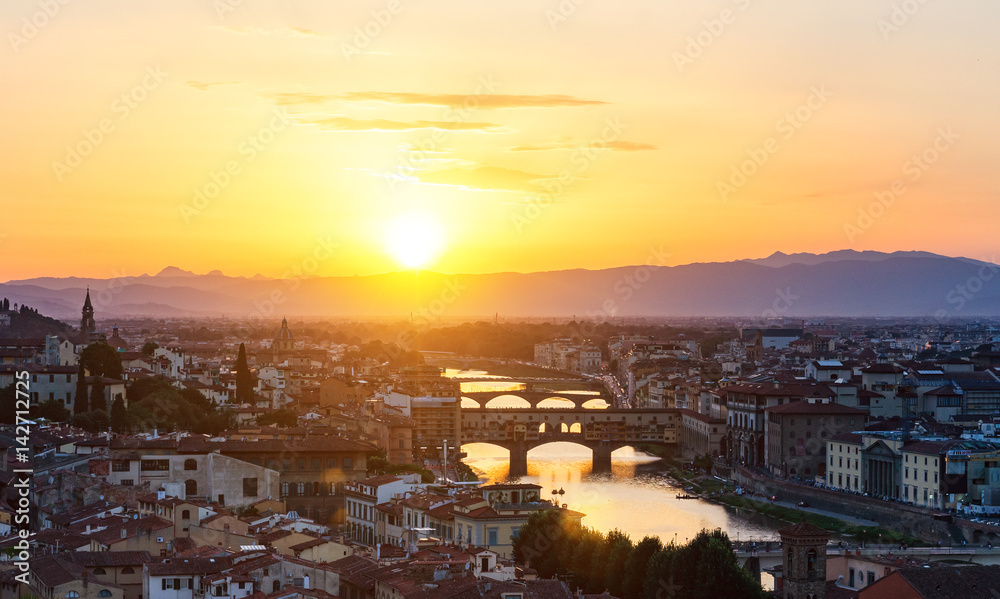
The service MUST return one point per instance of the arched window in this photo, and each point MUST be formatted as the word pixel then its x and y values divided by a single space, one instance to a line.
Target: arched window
pixel 284 489
pixel 104 593
pixel 191 487
pixel 128 570
pixel 72 595
pixel 315 488
pixel 186 515
pixel 302 489
pixel 276 586
pixel 190 464
pixel 99 571
pixel 811 564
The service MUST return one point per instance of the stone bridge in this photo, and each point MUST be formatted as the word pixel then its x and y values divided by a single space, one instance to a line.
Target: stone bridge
pixel 602 431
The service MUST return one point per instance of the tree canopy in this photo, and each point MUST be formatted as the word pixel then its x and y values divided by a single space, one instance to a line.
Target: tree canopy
pixel 556 545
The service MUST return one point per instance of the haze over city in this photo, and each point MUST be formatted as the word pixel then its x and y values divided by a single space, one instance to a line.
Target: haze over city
pixel 533 299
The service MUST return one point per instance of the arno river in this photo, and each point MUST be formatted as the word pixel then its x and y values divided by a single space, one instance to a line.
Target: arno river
pixel 635 497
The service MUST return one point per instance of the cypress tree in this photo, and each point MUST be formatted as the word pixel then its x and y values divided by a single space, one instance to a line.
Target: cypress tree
pixel 244 381
pixel 97 401
pixel 80 404
pixel 119 417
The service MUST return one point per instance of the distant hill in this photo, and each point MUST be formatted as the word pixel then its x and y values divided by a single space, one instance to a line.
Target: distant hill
pixel 26 322
pixel 846 283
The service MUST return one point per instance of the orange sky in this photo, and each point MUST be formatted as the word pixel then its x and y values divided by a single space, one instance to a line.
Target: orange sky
pixel 596 136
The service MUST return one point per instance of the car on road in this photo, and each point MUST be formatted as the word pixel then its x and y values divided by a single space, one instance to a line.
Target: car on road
pixel 803 504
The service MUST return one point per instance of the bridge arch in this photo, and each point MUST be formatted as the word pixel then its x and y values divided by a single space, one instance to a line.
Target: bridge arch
pixel 508 401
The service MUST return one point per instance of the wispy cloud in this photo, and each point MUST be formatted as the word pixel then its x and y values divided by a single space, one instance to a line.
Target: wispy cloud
pixel 206 85
pixel 491 101
pixel 486 178
pixel 622 146
pixel 297 31
pixel 340 123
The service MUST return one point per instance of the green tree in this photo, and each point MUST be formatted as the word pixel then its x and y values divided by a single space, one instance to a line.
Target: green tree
pixel 619 549
pixel 706 567
pixel 149 348
pixel 244 380
pixel 119 415
pixel 139 388
pixel 52 410
pixel 634 573
pixel 97 399
pixel 285 418
pixel 100 359
pixel 80 403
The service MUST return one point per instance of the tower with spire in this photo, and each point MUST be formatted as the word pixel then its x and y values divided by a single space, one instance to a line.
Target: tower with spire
pixel 88 327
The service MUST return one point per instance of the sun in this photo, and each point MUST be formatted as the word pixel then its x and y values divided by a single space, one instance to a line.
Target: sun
pixel 414 239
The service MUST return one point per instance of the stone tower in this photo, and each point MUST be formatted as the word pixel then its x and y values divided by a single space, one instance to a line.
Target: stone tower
pixel 803 570
pixel 87 325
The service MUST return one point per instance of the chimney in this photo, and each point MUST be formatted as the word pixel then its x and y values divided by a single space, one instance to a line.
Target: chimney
pixel 161 494
pixel 305 581
pixel 124 533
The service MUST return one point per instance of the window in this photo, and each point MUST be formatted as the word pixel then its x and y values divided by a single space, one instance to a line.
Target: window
pixel 128 570
pixel 127 482
pixel 347 463
pixel 121 466
pixel 492 535
pixel 331 462
pixel 186 515
pixel 155 465
pixel 249 487
pixel 104 593
pixel 871 577
pixel 191 487
pixel 300 463
pixel 99 571
pixel 190 465
pixel 72 595
pixel 317 464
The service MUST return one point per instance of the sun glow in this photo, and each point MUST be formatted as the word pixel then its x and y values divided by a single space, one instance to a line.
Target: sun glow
pixel 414 239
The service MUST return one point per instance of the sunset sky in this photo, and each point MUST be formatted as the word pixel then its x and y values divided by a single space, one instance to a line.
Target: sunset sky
pixel 600 133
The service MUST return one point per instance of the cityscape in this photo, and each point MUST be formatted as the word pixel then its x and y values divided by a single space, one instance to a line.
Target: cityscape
pixel 534 300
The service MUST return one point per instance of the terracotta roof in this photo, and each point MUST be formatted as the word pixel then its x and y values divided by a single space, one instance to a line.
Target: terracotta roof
pixel 965 582
pixel 806 407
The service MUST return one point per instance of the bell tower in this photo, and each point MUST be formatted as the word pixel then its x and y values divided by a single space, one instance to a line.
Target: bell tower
pixel 803 570
pixel 87 325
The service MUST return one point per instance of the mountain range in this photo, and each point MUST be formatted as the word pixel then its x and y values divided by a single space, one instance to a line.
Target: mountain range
pixel 842 283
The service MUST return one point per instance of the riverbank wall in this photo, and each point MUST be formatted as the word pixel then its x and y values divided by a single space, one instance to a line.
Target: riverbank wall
pixel 906 519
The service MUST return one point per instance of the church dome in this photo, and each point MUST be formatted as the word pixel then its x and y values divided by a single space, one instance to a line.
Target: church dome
pixel 283 333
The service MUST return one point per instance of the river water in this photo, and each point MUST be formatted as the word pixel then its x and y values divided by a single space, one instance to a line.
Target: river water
pixel 635 497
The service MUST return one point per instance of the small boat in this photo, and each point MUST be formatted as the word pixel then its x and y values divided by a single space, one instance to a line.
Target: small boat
pixel 685 496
